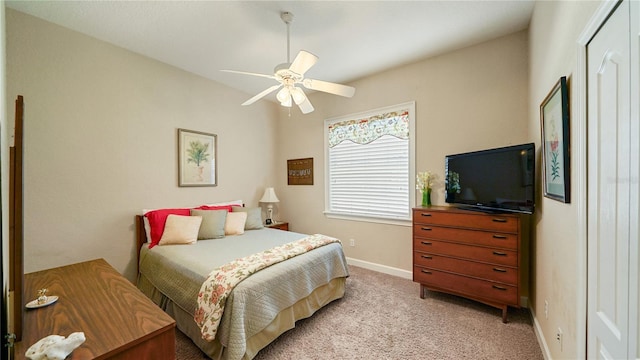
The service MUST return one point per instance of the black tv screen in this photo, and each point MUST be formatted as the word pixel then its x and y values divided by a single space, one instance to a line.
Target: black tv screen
pixel 500 179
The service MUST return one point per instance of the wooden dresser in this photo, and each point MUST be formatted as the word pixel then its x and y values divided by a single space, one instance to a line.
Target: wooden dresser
pixel 471 254
pixel 118 321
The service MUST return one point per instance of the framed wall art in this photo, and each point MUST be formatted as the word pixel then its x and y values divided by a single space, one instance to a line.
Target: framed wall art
pixel 197 158
pixel 300 171
pixel 554 122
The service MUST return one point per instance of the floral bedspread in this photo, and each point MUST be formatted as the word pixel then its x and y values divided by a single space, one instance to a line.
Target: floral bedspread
pixel 221 281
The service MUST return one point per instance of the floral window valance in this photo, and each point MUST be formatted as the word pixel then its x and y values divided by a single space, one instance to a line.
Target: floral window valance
pixel 364 131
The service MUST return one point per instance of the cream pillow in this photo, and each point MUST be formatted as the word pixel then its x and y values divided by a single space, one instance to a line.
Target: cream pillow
pixel 234 225
pixel 180 229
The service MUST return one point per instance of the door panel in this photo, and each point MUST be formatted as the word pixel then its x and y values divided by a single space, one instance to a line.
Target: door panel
pixel 609 191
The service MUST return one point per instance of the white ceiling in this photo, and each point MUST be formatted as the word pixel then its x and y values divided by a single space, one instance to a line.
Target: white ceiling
pixel 353 39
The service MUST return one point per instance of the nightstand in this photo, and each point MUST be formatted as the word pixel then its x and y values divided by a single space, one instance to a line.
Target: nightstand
pixel 279 225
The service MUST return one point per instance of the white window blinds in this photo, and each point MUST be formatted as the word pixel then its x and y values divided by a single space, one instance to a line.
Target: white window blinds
pixel 369 159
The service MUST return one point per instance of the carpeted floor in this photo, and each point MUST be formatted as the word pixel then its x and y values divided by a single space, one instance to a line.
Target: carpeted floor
pixel 383 317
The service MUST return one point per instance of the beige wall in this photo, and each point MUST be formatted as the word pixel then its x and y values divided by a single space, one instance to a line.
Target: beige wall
pixel 100 137
pixel 466 100
pixel 558 273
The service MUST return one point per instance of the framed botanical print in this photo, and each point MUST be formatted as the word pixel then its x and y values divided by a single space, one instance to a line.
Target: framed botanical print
pixel 554 122
pixel 197 158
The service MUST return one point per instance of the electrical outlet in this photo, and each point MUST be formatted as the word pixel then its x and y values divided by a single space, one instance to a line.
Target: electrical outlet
pixel 352 242
pixel 559 338
pixel 546 309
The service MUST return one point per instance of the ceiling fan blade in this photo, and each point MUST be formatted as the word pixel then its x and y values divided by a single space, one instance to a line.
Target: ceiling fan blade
pixel 249 73
pixel 303 62
pixel 306 106
pixel 329 87
pixel 300 98
pixel 262 94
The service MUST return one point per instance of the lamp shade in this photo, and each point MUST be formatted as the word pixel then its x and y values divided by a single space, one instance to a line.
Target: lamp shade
pixel 269 196
pixel 283 94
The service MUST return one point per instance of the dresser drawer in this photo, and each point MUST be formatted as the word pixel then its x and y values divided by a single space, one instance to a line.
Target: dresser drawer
pixel 503 274
pixel 476 253
pixel 491 238
pixel 463 285
pixel 473 221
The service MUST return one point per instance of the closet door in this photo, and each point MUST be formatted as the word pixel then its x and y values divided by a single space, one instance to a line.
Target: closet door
pixel 611 191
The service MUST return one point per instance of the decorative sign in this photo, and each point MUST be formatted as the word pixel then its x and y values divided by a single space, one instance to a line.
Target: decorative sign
pixel 300 171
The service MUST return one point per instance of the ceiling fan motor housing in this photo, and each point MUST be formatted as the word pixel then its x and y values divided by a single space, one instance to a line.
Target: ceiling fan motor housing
pixel 285 75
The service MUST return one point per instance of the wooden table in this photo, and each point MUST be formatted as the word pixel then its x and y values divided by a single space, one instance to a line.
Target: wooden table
pixel 280 226
pixel 118 321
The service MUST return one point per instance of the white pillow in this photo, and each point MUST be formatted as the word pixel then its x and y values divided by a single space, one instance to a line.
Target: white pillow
pixel 181 229
pixel 235 202
pixel 234 225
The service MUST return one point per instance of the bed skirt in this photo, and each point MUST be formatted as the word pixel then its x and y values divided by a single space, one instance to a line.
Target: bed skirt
pixel 285 320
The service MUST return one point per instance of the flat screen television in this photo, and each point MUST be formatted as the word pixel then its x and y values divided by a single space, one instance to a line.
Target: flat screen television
pixel 492 180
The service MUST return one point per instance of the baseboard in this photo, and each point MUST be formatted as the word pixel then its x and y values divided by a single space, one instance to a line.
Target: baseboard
pixel 381 268
pixel 538 331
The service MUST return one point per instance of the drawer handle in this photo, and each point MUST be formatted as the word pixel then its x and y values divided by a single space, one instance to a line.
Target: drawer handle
pixel 425 271
pixel 425 214
pixel 499 270
pixel 498 253
pixel 499 288
pixel 500 220
pixel 495 236
pixel 425 228
pixel 425 243
pixel 426 257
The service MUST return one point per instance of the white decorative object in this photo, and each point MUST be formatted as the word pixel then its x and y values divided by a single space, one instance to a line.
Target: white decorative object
pixel 34 304
pixel 55 347
pixel 42 296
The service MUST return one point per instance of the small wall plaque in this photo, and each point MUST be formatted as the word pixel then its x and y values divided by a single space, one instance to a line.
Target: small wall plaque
pixel 300 171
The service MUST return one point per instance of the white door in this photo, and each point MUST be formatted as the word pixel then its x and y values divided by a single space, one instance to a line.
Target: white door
pixel 609 191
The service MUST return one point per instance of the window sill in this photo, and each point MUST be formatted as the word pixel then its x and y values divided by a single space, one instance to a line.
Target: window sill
pixel 386 221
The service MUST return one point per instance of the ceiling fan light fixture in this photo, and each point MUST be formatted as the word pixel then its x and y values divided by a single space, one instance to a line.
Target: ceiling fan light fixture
pixel 287 102
pixel 283 95
pixel 298 95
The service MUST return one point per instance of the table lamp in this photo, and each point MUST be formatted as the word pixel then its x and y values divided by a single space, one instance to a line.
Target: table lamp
pixel 269 198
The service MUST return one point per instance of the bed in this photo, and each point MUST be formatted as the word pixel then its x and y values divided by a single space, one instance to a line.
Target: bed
pixel 261 307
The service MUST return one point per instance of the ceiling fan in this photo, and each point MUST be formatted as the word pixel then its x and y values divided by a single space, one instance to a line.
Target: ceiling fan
pixel 290 74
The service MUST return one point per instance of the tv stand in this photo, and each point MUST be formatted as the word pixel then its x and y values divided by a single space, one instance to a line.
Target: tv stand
pixel 471 254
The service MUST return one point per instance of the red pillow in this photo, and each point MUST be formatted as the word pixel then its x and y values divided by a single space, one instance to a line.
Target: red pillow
pixel 157 220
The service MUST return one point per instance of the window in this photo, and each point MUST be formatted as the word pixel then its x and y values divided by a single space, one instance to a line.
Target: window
pixel 369 162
